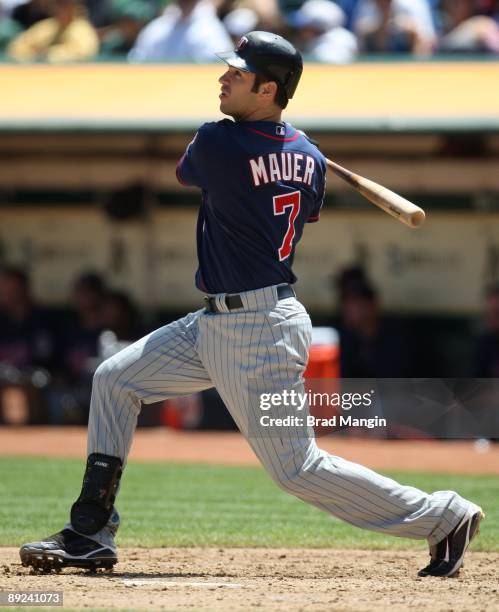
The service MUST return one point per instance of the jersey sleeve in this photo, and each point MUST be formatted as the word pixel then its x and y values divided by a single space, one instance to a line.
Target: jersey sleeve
pixel 320 190
pixel 192 167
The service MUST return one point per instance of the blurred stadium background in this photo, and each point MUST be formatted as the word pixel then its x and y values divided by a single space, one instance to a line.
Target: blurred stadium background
pixel 99 100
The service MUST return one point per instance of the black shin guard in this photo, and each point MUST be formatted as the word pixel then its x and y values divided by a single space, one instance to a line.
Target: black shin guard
pixel 92 509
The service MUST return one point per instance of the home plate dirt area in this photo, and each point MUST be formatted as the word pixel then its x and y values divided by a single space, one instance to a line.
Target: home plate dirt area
pixel 266 579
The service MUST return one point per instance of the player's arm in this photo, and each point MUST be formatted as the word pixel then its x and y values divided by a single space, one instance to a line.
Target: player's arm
pixel 192 166
pixel 320 191
pixel 319 182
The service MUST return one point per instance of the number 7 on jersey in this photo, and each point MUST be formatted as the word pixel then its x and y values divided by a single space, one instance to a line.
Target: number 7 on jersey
pixel 281 202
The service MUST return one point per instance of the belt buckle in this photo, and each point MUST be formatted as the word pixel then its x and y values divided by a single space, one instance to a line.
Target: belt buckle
pixel 210 303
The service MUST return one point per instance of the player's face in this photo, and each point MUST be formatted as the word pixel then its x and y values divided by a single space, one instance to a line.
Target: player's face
pixel 236 97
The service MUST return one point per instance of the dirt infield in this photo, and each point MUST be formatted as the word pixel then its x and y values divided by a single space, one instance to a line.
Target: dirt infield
pixel 229 448
pixel 267 579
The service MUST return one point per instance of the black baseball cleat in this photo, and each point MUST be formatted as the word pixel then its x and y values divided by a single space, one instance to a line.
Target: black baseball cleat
pixel 67 549
pixel 448 554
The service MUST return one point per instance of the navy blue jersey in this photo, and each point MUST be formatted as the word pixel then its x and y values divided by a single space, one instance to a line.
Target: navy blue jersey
pixel 261 182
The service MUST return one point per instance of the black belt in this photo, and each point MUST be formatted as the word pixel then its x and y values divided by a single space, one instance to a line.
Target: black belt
pixel 234 300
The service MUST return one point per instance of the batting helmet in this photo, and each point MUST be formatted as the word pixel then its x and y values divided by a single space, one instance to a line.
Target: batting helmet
pixel 268 54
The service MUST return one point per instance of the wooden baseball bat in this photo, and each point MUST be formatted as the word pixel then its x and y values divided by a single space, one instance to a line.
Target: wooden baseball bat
pixel 387 200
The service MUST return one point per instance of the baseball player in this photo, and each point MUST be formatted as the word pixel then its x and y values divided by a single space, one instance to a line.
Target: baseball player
pixel 261 181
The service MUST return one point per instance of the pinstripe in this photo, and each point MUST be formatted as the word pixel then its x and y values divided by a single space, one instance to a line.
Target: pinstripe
pixel 242 398
pixel 260 348
pixel 115 385
pixel 123 375
pixel 359 492
pixel 290 378
pixel 116 373
pixel 308 482
pixel 232 376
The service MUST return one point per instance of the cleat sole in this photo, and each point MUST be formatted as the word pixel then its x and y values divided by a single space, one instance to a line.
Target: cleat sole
pixel 41 563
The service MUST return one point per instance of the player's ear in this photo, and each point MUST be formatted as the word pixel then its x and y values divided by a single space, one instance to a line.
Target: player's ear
pixel 269 89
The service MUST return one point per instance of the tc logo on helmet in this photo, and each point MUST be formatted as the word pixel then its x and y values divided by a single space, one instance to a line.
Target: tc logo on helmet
pixel 243 41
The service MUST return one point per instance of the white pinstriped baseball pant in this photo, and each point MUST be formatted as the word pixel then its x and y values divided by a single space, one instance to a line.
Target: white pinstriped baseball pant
pixel 263 346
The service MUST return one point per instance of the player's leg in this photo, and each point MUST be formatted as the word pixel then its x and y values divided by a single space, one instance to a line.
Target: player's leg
pixel 161 365
pixel 266 351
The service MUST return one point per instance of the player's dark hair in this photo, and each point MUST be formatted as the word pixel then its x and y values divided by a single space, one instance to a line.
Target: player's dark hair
pixel 281 99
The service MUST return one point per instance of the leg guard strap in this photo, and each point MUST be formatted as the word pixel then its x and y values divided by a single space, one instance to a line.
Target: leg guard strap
pixel 92 509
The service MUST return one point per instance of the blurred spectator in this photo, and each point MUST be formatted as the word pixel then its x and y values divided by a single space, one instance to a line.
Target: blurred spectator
pixel 492 9
pixel 7 6
pixel 121 317
pixel 269 15
pixel 321 35
pixel 349 8
pixel 66 36
pixel 390 26
pixel 100 12
pixel 465 30
pixel 188 30
pixel 17 15
pixel 348 278
pixel 486 354
pixel 29 13
pixel 288 6
pixel 26 333
pixel 267 11
pixel 370 346
pixel 104 323
pixel 9 29
pixel 239 22
pixel 129 18
pixel 80 336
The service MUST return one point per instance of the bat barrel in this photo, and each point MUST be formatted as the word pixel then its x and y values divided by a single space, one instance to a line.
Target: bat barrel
pixel 389 201
pixel 417 218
